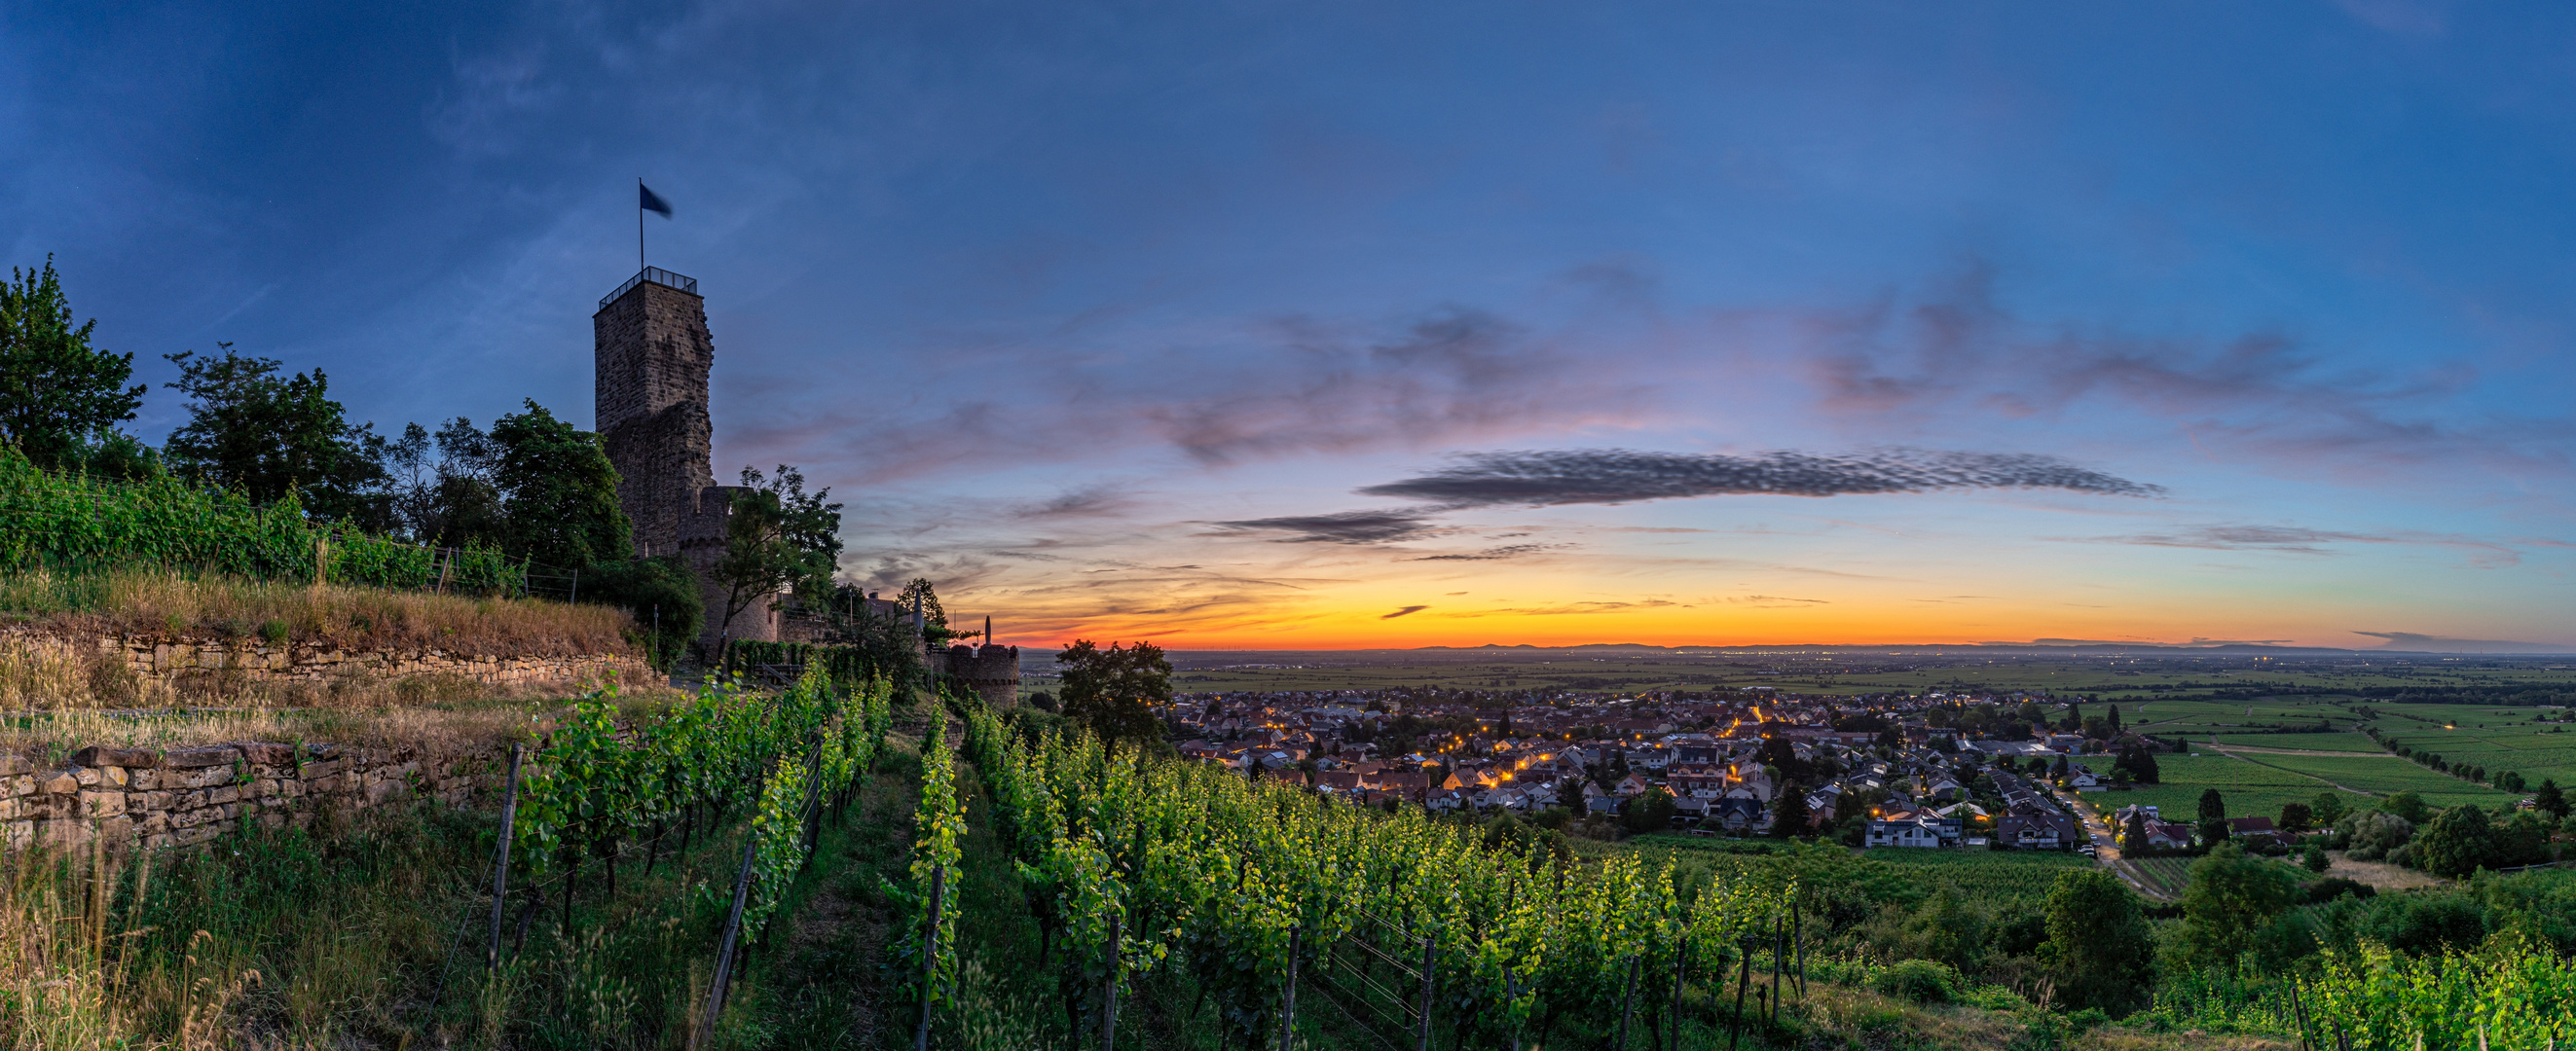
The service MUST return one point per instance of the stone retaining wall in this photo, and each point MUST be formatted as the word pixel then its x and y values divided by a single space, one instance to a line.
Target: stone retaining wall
pixel 177 659
pixel 121 798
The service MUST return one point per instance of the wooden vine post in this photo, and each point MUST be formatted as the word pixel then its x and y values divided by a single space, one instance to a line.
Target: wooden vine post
pixel 725 945
pixel 1288 1010
pixel 501 861
pixel 1681 954
pixel 1109 1023
pixel 930 956
pixel 1429 947
pixel 1743 979
pixel 1779 946
pixel 1628 1004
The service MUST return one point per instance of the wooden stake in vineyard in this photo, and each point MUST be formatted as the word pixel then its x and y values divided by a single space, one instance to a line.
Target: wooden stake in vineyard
pixel 1628 1003
pixel 1428 959
pixel 1109 1023
pixel 1743 980
pixel 1288 1012
pixel 930 955
pixel 1778 945
pixel 501 863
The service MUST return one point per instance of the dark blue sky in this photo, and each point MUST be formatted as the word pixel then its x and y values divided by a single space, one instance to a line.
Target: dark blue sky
pixel 1051 292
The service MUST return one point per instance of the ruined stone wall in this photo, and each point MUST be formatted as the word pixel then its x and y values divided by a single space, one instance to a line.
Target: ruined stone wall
pixel 702 543
pixel 652 357
pixel 176 660
pixel 121 798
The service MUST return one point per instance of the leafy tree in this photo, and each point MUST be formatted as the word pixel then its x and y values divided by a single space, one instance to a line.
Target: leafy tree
pixel 1946 929
pixel 1789 814
pixel 2408 805
pixel 2457 843
pixel 2229 897
pixel 2115 718
pixel 2213 807
pixel 2074 717
pixel 2522 839
pixel 251 429
pixel 777 538
pixel 2100 950
pixel 1650 812
pixel 2315 859
pixel 663 595
pixel 560 492
pixel 2370 835
pixel 2296 817
pixel 2133 833
pixel 2550 799
pixel 2328 808
pixel 60 398
pixel 1115 690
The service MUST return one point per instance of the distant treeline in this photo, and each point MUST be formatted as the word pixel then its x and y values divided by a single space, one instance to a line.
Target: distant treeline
pixel 2500 693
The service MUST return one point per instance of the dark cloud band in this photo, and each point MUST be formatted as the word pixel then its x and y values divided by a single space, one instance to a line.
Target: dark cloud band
pixel 1347 527
pixel 1615 476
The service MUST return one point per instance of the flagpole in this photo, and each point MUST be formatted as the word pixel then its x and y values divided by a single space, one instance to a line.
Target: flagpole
pixel 639 224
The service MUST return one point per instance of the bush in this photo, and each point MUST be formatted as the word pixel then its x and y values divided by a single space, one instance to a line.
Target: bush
pixel 2333 887
pixel 1920 981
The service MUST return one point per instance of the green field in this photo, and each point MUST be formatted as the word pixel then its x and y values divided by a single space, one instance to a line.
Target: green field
pixel 2190 716
pixel 2249 789
pixel 2339 742
pixel 2387 775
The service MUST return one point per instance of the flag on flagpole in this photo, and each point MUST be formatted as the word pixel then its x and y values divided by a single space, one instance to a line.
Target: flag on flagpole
pixel 651 201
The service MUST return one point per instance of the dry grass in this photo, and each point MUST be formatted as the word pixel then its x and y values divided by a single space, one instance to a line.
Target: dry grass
pixel 489 718
pixel 54 674
pixel 160 603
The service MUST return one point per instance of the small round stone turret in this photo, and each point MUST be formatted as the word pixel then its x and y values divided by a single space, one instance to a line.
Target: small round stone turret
pixel 993 672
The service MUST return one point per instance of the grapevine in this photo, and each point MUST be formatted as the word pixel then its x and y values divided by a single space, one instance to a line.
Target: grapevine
pixel 1220 874
pixel 593 783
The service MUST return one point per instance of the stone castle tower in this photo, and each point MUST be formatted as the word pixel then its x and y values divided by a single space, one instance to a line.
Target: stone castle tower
pixel 653 355
pixel 992 671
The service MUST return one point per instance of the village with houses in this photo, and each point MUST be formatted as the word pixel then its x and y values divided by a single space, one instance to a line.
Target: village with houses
pixel 1929 771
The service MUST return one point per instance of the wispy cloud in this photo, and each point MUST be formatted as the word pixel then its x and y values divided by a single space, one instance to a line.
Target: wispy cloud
pixel 1565 609
pixel 2266 395
pixel 2303 541
pixel 1615 476
pixel 1402 612
pixel 1490 554
pixel 1771 601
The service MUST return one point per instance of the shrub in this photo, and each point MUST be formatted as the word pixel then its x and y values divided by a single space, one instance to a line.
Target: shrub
pixel 1920 981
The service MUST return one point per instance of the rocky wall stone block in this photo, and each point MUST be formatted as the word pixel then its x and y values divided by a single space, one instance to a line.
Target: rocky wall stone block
pixel 200 758
pixel 102 755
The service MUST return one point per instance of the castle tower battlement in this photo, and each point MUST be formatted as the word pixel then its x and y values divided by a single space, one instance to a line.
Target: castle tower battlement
pixel 993 672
